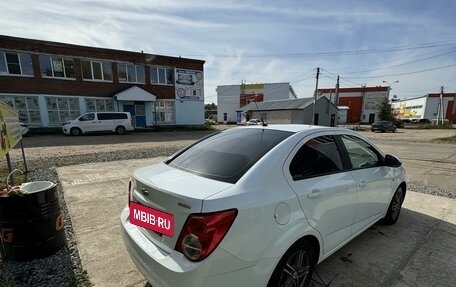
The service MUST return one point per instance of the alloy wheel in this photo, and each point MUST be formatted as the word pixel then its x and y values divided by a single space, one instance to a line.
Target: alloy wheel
pixel 296 271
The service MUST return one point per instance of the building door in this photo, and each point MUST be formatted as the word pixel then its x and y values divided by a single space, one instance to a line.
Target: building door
pixel 140 115
pixel 333 120
pixel 371 118
pixel 316 117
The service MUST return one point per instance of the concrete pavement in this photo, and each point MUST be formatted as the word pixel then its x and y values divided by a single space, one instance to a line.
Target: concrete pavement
pixel 420 250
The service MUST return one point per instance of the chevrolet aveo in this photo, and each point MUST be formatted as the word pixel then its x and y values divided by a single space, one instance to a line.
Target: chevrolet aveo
pixel 257 206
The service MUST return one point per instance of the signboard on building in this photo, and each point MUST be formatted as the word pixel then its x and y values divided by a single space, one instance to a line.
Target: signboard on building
pixel 189 84
pixel 10 131
pixel 372 101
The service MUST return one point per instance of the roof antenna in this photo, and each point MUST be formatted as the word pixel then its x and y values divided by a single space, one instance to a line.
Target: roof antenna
pixel 261 118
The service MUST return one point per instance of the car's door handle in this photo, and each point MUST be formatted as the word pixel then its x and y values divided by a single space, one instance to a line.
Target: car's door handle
pixel 316 193
pixel 362 183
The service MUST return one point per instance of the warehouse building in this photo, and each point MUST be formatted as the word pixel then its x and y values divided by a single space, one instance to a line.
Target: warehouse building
pixel 295 111
pixel 50 83
pixel 427 107
pixel 230 98
pixel 361 104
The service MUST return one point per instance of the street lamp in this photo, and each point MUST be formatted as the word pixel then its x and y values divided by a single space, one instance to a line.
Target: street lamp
pixel 389 87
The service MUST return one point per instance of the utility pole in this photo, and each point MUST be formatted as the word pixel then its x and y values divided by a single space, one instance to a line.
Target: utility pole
pixel 336 100
pixel 315 96
pixel 441 105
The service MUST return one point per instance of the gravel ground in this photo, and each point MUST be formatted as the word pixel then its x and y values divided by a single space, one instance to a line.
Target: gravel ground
pixel 64 268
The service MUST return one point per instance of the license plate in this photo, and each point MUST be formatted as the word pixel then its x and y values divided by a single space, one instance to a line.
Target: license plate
pixel 152 219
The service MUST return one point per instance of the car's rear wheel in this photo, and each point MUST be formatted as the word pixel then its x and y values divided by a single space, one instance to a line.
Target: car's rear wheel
pixel 296 266
pixel 394 209
pixel 75 132
pixel 120 130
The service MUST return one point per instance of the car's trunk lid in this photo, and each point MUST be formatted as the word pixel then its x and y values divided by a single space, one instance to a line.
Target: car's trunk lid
pixel 175 192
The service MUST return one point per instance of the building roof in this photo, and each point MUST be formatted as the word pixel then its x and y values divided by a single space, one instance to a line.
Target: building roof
pixel 41 46
pixel 354 90
pixel 274 105
pixel 135 93
pixel 430 95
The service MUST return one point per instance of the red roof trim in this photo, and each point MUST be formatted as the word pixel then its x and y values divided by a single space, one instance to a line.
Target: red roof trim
pixel 354 90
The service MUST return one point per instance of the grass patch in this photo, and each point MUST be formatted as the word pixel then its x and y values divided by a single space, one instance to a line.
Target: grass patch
pixel 451 139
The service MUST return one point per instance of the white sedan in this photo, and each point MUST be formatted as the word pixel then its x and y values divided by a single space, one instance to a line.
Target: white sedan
pixel 257 206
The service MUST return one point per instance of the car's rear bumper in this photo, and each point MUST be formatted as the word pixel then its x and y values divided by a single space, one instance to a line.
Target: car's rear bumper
pixel 164 269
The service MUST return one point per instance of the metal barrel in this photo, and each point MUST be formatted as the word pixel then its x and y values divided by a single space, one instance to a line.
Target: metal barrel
pixel 31 226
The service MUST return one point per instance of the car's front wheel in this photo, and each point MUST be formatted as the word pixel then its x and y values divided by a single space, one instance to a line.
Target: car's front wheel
pixel 75 132
pixel 394 209
pixel 296 266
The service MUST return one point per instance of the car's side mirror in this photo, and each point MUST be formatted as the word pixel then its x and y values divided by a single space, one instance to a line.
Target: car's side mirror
pixel 392 161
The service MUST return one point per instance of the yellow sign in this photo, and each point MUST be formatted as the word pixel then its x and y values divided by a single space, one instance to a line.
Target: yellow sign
pixel 10 131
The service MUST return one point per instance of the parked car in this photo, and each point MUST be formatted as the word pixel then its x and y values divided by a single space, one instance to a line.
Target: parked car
pixel 254 122
pixel 95 122
pixel 383 126
pixel 257 206
pixel 424 121
pixel 25 131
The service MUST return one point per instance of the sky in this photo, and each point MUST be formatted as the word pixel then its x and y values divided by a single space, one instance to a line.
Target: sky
pixel 264 41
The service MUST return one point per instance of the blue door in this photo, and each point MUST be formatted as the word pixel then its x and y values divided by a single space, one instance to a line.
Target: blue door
pixel 140 115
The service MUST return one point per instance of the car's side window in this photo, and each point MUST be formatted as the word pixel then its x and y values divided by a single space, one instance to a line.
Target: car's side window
pixel 317 156
pixel 361 154
pixel 87 117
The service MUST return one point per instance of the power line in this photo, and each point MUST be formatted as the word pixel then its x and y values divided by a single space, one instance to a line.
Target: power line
pixel 403 64
pixel 343 78
pixel 402 74
pixel 330 53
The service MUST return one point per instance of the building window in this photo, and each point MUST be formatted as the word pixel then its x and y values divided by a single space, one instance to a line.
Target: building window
pixel 97 71
pixel 165 112
pixel 15 64
pixel 27 107
pixel 99 105
pixel 62 109
pixel 129 73
pixel 57 67
pixel 162 76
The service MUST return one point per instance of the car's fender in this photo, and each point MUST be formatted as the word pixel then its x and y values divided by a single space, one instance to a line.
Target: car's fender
pixel 281 244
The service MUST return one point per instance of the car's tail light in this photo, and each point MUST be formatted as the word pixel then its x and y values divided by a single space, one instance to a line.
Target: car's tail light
pixel 203 232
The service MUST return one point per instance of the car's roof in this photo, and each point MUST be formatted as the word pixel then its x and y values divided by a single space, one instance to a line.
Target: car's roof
pixel 294 128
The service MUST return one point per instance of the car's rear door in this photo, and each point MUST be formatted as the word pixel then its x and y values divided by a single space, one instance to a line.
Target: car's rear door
pixel 327 193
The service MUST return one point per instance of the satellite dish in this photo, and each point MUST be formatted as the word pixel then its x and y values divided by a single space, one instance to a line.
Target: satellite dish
pixel 395 97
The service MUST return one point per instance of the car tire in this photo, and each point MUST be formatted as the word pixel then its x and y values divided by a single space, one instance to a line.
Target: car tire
pixel 75 132
pixel 394 209
pixel 296 266
pixel 120 130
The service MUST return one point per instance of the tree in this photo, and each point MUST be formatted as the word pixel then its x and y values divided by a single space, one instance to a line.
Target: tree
pixel 385 113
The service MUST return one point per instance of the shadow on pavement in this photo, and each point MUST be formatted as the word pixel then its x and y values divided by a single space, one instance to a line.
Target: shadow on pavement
pixel 419 250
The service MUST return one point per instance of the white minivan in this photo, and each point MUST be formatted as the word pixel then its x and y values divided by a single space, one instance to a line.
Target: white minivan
pixel 92 122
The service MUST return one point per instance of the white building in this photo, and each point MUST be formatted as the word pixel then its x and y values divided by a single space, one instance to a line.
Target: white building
pixel 232 97
pixel 426 107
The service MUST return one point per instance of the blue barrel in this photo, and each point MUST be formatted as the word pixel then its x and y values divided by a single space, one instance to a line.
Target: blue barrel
pixel 31 226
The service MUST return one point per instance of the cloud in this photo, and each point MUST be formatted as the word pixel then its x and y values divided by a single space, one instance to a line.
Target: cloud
pixel 232 35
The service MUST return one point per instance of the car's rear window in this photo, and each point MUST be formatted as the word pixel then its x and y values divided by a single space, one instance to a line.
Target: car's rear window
pixel 228 155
